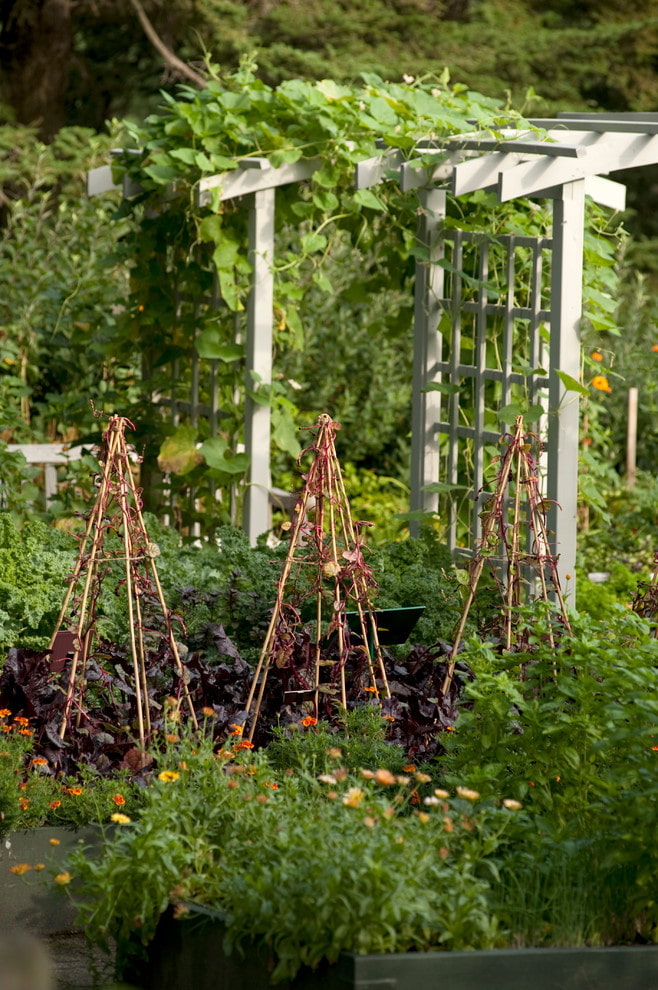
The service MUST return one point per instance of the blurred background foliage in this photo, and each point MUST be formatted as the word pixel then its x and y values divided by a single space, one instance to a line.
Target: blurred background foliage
pixel 68 70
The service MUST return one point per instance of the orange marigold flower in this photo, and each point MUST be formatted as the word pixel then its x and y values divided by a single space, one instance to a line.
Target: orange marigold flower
pixel 118 799
pixel 39 761
pixel 409 768
pixel 596 356
pixel 373 689
pixel 20 720
pixel 172 737
pixel 63 878
pixel 237 729
pixel 20 868
pixel 384 776
pixel 655 748
pixel 207 711
pixel 309 720
pixel 245 744
pixel 5 712
pixel 415 797
pixel 25 732
pixel 654 347
pixel 601 383
pixel 55 804
pixel 75 791
pixel 53 842
pixel 389 718
pixel 24 802
pixel 6 728
pixel 39 866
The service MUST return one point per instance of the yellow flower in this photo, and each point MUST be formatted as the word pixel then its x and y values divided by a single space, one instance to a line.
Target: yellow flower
pixel 20 868
pixel 466 792
pixel 601 383
pixel 423 817
pixel 512 805
pixel 440 793
pixel 119 818
pixel 353 797
pixel 63 878
pixel 53 842
pixel 168 775
pixel 423 778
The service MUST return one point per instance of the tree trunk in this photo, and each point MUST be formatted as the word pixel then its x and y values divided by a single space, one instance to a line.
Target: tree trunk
pixel 36 41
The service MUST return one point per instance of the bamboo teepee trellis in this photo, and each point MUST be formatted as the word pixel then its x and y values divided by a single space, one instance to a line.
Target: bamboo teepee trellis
pixel 514 540
pixel 117 509
pixel 327 543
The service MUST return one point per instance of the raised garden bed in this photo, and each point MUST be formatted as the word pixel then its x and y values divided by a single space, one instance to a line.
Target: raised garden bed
pixel 189 953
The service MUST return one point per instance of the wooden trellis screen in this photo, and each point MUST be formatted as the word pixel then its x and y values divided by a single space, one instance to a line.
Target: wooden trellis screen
pixel 495 312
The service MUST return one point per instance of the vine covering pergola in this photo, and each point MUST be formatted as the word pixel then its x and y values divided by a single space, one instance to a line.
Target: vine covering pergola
pixel 535 321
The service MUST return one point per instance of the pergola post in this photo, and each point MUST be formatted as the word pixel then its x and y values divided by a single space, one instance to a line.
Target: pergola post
pixel 566 314
pixel 260 309
pixel 426 406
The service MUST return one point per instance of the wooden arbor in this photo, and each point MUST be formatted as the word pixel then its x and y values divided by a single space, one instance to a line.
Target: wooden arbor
pixel 562 159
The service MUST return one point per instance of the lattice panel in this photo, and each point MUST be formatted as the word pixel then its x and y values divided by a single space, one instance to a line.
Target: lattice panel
pixel 494 357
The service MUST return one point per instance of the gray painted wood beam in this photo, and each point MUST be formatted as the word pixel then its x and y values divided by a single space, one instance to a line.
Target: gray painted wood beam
pixel 566 313
pixel 260 309
pixel 426 406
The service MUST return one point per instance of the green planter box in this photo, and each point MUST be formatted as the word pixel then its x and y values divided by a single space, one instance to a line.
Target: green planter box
pixel 31 901
pixel 189 953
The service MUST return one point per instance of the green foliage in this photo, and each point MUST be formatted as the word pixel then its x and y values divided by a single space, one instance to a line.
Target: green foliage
pixel 35 561
pixel 60 298
pixel 275 853
pixel 31 794
pixel 570 730
pixel 360 741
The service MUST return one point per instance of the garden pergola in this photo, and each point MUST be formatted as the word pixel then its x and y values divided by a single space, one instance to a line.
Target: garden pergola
pixel 562 159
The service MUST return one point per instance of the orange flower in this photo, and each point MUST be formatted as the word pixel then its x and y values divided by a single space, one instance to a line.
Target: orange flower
pixel 601 383
pixel 596 356
pixel 20 868
pixel 5 713
pixel 409 768
pixel 24 802
pixel 53 842
pixel 119 799
pixel 245 744
pixel 309 720
pixel 383 776
pixel 654 347
pixel 39 761
pixel 237 730
pixel 25 732
pixel 373 689
pixel 389 718
pixel 19 720
pixel 208 712
pixel 55 804
pixel 6 728
pixel 62 878
pixel 75 791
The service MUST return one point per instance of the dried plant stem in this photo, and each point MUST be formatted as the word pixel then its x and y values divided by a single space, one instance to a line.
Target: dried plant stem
pixel 497 535
pixel 116 489
pixel 333 547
